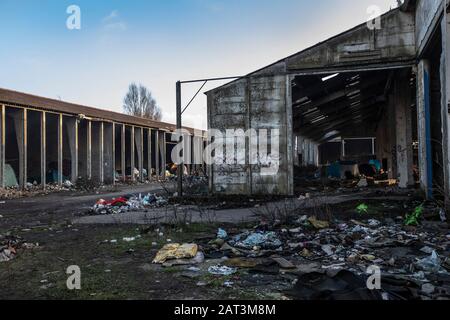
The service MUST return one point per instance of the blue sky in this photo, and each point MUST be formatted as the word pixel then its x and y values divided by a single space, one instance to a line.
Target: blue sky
pixel 156 43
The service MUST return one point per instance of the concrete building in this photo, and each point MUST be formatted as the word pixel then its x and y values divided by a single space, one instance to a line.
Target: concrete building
pixel 388 84
pixel 50 141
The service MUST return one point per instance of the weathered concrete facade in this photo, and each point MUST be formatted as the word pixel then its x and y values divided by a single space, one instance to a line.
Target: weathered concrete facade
pixel 390 83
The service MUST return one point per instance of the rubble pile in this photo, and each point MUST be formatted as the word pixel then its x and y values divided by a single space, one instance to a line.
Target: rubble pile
pixel 127 203
pixel 9 245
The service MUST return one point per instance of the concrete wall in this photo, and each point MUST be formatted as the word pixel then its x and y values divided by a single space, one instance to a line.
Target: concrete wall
pixel 427 13
pixel 395 41
pixel 253 103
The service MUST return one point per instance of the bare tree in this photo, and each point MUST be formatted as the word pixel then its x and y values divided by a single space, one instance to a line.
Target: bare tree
pixel 140 103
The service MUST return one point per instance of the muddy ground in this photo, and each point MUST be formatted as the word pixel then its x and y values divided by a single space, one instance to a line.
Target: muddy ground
pixel 112 268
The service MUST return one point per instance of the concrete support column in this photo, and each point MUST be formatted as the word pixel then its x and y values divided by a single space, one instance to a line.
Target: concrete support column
pixel 315 154
pixel 101 148
pixel 445 85
pixel 149 155
pixel 19 125
pixel 123 157
pixel 162 148
pixel 198 151
pixel 157 151
pixel 138 138
pixel 306 152
pixel 424 128
pixel 60 149
pixel 299 150
pixel 89 150
pixel 132 154
pixel 108 153
pixel 2 145
pixel 72 133
pixel 403 124
pixel 43 149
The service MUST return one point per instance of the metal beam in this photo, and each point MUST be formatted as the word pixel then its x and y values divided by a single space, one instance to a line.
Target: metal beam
pixel 179 126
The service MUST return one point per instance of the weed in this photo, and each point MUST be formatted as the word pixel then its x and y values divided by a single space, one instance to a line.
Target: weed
pixel 413 218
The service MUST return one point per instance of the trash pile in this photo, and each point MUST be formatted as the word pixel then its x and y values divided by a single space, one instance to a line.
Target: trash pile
pixel 10 244
pixel 127 204
pixel 331 259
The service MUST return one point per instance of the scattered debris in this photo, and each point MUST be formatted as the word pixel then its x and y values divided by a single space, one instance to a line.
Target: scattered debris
pixel 267 240
pixel 9 245
pixel 222 234
pixel 222 270
pixel 176 251
pixel 318 224
pixel 127 204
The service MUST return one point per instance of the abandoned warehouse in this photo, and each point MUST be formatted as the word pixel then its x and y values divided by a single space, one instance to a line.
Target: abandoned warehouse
pixel 46 141
pixel 368 96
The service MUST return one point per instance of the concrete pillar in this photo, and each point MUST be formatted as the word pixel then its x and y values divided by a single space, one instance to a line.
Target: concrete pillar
pixel 123 158
pixel 306 150
pixel 445 85
pixel 424 128
pixel 157 148
pixel 149 156
pixel 60 149
pixel 108 153
pixel 132 154
pixel 403 124
pixel 19 125
pixel 198 151
pixel 138 138
pixel 2 145
pixel 89 150
pixel 101 147
pixel 162 148
pixel 315 152
pixel 43 149
pixel 72 133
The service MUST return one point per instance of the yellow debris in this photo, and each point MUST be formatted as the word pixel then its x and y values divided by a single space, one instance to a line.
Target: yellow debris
pixel 318 224
pixel 176 251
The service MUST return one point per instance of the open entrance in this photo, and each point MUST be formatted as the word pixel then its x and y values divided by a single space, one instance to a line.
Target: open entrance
pixel 51 133
pixel 13 145
pixel 433 55
pixel 128 148
pixel 118 134
pixel 34 157
pixel 354 124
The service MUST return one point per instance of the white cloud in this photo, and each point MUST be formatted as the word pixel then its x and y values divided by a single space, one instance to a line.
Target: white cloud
pixel 112 22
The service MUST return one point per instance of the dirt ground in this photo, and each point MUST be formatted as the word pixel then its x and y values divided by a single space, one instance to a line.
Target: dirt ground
pixel 114 268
